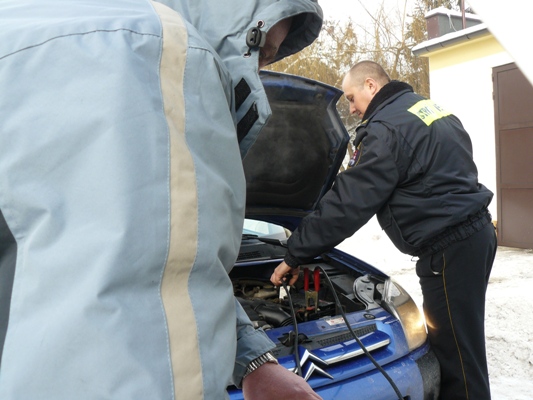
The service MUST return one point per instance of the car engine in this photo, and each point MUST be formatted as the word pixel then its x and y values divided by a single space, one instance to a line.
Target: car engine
pixel 269 307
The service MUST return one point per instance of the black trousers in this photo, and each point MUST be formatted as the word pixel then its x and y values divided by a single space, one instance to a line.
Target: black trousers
pixel 454 282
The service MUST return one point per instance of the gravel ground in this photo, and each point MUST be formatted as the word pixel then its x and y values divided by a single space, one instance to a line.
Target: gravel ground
pixel 509 327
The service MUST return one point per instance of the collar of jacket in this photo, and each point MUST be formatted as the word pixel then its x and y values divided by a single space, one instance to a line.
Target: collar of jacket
pixel 387 94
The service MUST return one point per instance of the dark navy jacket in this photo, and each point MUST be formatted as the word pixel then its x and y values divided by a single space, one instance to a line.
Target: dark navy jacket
pixel 413 167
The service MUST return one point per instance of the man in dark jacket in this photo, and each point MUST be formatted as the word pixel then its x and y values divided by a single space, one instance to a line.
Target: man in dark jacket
pixel 413 168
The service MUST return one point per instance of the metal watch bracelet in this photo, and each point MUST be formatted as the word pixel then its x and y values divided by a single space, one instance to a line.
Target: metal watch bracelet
pixel 268 357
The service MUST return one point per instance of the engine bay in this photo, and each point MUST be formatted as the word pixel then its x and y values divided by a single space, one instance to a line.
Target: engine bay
pixel 269 307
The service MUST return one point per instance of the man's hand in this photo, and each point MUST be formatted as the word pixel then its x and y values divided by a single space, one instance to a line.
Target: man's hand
pixel 273 382
pixel 281 271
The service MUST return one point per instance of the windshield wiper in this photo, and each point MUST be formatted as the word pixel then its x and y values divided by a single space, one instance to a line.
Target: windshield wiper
pixel 275 242
pixel 247 236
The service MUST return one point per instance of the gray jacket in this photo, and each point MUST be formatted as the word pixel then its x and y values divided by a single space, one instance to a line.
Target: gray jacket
pixel 122 193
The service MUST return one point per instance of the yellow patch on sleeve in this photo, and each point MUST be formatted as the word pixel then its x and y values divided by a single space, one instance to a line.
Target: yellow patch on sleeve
pixel 428 111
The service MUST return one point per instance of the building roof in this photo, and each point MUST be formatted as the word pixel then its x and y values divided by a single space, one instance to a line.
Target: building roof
pixel 451 38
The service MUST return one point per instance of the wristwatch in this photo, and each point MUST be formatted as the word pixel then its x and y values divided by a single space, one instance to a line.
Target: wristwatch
pixel 268 357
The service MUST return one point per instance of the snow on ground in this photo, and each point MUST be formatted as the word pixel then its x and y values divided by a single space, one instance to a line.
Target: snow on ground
pixel 509 307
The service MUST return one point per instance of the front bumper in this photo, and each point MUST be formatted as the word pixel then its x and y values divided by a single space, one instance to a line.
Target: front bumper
pixel 417 376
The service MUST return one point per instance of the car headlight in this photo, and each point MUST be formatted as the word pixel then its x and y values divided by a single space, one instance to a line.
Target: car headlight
pixel 398 302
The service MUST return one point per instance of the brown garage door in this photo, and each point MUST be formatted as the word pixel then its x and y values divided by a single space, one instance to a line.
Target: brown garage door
pixel 513 102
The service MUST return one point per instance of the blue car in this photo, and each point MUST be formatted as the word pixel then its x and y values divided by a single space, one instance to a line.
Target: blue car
pixel 345 326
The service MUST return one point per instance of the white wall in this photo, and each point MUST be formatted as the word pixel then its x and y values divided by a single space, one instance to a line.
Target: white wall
pixel 466 90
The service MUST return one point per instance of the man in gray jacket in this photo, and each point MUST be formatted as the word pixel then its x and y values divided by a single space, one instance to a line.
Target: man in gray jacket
pixel 122 195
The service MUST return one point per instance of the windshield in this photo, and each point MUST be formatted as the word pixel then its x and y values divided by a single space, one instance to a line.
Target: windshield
pixel 264 230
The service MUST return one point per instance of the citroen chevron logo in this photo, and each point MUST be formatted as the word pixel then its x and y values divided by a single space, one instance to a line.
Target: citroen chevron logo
pixel 310 362
pixel 311 367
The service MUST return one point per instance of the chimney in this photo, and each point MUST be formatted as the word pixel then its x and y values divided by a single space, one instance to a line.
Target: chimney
pixel 441 21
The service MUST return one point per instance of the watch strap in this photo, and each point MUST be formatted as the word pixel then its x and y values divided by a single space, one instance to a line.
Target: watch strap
pixel 268 357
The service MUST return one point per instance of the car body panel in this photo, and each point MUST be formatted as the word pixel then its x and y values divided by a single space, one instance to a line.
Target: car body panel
pixel 332 362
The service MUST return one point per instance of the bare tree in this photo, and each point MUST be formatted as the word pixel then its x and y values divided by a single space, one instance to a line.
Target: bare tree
pixel 327 59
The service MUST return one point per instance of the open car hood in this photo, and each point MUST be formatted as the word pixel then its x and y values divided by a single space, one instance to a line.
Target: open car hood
pixel 297 155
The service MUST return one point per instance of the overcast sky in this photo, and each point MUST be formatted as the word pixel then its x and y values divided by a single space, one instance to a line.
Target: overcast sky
pixel 355 9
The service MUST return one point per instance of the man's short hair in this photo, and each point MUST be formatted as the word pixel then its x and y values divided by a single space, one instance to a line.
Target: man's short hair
pixel 368 69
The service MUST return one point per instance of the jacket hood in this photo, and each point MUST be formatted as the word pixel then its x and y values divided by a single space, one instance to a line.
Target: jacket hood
pixel 225 25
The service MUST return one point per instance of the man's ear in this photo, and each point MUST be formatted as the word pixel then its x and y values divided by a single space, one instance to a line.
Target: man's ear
pixel 372 85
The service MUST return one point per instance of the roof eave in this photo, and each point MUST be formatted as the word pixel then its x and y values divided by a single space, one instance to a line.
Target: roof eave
pixel 450 39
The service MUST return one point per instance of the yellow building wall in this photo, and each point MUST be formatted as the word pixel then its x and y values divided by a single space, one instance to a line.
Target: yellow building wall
pixel 464 52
